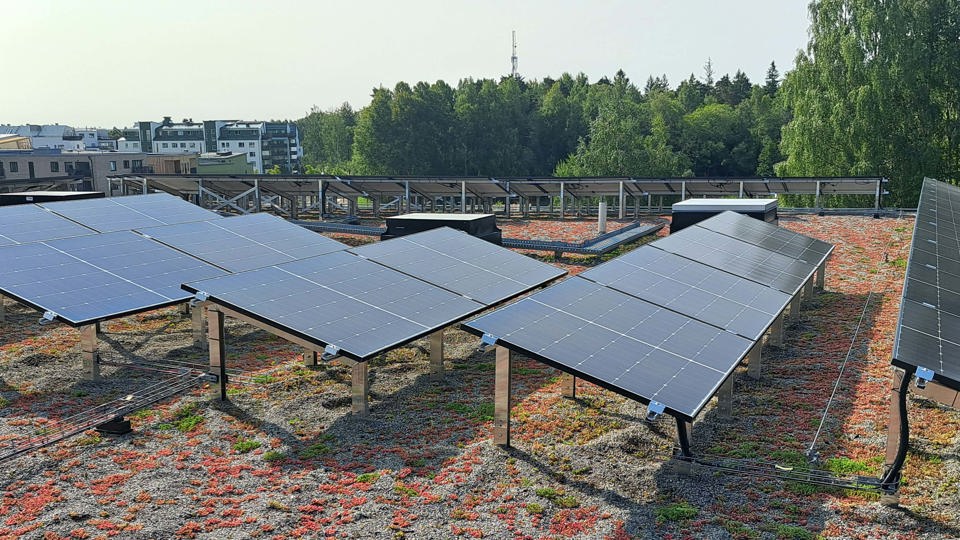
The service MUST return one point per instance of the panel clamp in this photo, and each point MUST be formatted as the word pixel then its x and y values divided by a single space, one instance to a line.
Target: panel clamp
pixel 924 375
pixel 487 341
pixel 654 410
pixel 48 317
pixel 200 296
pixel 330 352
pixel 210 377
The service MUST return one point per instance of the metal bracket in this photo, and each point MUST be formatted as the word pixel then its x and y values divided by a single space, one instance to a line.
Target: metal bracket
pixel 487 341
pixel 200 296
pixel 330 352
pixel 48 317
pixel 924 375
pixel 210 377
pixel 654 410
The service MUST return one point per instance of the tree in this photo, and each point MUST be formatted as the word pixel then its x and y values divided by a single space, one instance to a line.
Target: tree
pixel 115 133
pixel 772 82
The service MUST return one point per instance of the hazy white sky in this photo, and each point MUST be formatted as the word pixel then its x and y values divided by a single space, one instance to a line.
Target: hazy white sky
pixel 109 63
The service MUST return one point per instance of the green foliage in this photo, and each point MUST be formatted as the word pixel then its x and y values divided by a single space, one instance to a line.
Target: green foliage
pixel 676 512
pixel 264 379
pixel 315 451
pixel 4 402
pixel 534 509
pixel 792 532
pixel 271 456
pixel 185 418
pixel 245 445
pixel 368 478
pixel 846 466
pixel 401 489
pixel 548 493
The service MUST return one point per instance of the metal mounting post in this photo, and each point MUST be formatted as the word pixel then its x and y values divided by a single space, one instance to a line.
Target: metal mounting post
pixel 436 354
pixel 776 332
pixel 501 398
pixel 360 378
pixel 310 357
pixel 218 349
pixel 198 321
pixel 568 386
pixel 725 398
pixel 88 348
pixel 753 362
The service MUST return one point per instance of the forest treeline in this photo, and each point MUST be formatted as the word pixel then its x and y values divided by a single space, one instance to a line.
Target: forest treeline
pixel 874 93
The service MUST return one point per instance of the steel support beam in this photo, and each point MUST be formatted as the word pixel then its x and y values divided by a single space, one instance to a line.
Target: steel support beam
pixel 754 361
pixel 360 379
pixel 310 357
pixel 218 349
pixel 725 398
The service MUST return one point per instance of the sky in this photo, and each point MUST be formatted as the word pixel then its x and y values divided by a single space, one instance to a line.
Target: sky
pixel 109 63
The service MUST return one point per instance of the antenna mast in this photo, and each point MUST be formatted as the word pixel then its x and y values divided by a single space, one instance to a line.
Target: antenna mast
pixel 513 59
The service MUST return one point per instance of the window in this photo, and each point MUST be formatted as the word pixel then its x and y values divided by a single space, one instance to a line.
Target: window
pixel 253 154
pixel 138 163
pixel 54 166
pixel 223 145
pixel 1 170
pixel 14 166
pixel 193 145
pixel 136 144
pixel 253 145
pixel 240 144
pixel 180 133
pixel 227 145
pixel 113 165
pixel 183 145
pixel 164 145
pixel 126 164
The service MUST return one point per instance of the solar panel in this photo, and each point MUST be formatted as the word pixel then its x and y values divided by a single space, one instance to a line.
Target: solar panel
pixel 620 342
pixel 928 333
pixel 693 289
pixel 130 256
pixel 132 212
pixel 738 258
pixel 244 242
pixel 79 293
pixel 339 299
pixel 462 263
pixel 23 223
pixel 769 236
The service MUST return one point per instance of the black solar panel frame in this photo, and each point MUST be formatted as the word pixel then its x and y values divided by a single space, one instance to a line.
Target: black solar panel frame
pixel 43 213
pixel 815 251
pixel 127 202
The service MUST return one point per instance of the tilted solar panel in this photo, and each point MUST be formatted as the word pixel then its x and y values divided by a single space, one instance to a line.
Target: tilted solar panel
pixel 739 258
pixel 244 242
pixel 131 212
pixel 618 341
pixel 699 291
pixel 928 331
pixel 24 223
pixel 462 263
pixel 359 307
pixel 769 236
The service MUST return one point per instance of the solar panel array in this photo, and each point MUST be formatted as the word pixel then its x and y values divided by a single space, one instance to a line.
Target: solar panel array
pixel 462 263
pixel 24 223
pixel 112 214
pixel 86 279
pixel 776 239
pixel 245 242
pixel 928 332
pixel 667 322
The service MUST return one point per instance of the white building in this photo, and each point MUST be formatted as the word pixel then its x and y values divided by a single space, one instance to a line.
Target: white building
pixel 179 138
pixel 47 136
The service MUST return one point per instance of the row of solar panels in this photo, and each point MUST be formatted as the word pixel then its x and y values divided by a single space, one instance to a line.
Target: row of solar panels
pixel 667 323
pixel 928 332
pixel 361 300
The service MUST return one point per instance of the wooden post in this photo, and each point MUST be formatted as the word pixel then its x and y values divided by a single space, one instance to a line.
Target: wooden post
pixel 821 274
pixel 436 355
pixel 794 307
pixel 753 362
pixel 808 290
pixel 568 386
pixel 501 398
pixel 88 348
pixel 361 387
pixel 183 309
pixel 725 398
pixel 309 357
pixel 218 349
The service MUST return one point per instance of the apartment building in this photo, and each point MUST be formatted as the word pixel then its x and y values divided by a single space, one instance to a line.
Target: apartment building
pixel 18 167
pixel 53 136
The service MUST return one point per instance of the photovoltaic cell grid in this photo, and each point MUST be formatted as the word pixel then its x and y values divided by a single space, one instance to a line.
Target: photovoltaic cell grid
pixel 112 214
pixel 86 279
pixel 24 223
pixel 769 236
pixel 244 242
pixel 699 291
pixel 339 299
pixel 739 258
pixel 462 263
pixel 928 333
pixel 623 343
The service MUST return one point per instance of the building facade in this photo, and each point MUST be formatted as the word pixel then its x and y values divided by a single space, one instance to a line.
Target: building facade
pixel 224 163
pixel 17 166
pixel 54 136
